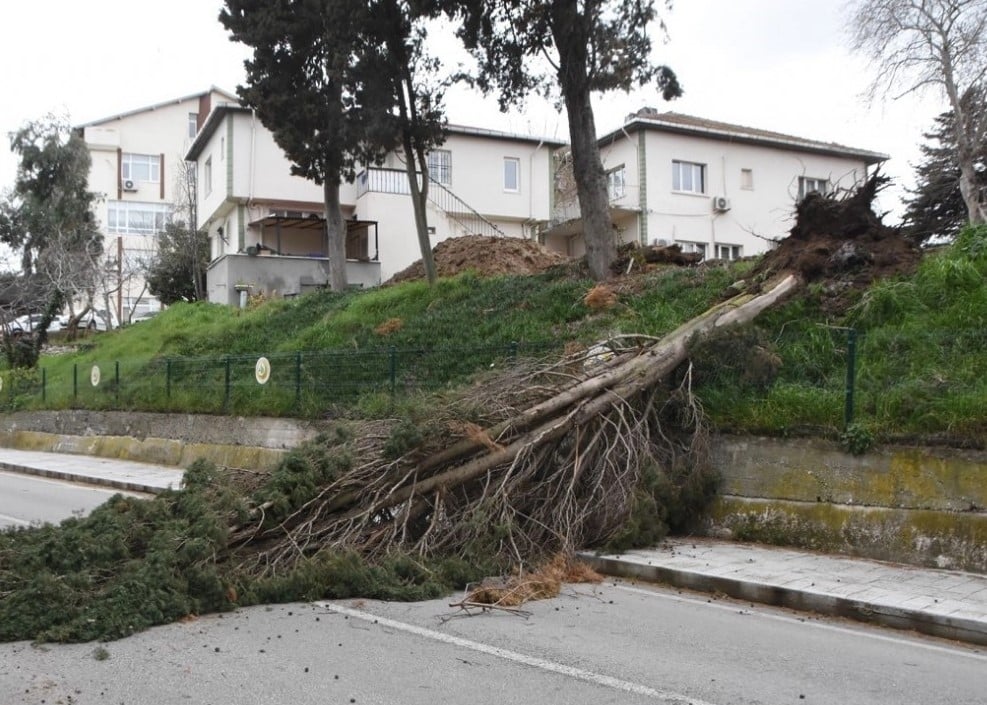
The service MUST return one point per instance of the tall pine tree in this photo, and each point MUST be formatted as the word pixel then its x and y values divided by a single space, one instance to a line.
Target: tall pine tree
pixel 936 208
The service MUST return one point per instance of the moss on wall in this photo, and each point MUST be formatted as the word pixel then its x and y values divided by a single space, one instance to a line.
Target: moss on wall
pixel 936 539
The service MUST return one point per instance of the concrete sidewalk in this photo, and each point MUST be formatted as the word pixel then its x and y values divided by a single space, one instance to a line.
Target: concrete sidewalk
pixel 119 474
pixel 942 603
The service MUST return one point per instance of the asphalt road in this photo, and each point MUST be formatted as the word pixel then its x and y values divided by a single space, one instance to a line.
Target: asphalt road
pixel 621 644
pixel 25 499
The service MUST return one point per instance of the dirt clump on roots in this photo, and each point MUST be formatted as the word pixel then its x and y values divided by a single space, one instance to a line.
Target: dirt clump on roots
pixel 841 243
pixel 487 256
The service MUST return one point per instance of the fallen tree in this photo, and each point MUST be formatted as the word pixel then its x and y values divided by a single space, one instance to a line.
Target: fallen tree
pixel 554 469
pixel 605 447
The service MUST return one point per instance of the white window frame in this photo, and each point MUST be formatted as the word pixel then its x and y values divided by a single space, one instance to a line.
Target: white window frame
pixel 686 174
pixel 136 217
pixel 193 125
pixel 747 179
pixel 207 176
pixel 699 247
pixel 512 164
pixel 617 182
pixel 811 184
pixel 140 167
pixel 729 252
pixel 440 166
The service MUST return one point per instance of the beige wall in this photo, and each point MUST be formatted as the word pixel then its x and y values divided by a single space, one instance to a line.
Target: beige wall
pixel 160 131
pixel 765 210
pixel 242 150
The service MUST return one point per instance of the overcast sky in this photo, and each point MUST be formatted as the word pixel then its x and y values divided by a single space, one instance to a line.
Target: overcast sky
pixel 775 64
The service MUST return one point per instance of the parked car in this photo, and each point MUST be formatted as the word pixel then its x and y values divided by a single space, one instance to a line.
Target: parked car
pixel 145 316
pixel 92 320
pixel 29 323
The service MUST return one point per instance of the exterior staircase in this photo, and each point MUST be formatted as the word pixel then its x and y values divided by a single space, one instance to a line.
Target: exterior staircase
pixel 459 212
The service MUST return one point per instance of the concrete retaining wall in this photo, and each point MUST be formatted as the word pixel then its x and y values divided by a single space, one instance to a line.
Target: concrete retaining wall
pixel 913 505
pixel 166 439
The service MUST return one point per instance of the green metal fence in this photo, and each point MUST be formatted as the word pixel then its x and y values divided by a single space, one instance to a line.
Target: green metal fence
pixel 273 383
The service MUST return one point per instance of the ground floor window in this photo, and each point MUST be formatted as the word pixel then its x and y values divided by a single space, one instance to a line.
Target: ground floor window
pixel 729 252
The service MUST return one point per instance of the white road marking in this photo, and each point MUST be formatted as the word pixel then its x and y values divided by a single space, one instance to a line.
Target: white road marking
pixel 14 520
pixel 732 607
pixel 533 661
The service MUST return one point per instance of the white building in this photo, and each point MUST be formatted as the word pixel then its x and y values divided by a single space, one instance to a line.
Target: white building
pixel 267 227
pixel 137 168
pixel 724 190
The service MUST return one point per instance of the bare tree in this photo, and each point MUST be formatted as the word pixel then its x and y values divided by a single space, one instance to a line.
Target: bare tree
pixel 918 45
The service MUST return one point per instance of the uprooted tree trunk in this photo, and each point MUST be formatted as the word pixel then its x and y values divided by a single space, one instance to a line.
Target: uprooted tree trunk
pixel 553 463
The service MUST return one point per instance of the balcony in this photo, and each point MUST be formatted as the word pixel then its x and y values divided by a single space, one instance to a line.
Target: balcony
pixel 378 180
pixel 567 210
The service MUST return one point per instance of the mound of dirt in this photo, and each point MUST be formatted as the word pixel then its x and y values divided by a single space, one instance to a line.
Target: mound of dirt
pixel 487 256
pixel 843 244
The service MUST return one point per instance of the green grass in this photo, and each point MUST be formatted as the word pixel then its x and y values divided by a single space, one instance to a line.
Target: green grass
pixel 328 350
pixel 920 357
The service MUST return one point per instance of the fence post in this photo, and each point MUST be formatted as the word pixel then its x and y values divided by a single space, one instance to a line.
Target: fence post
pixel 393 369
pixel 75 381
pixel 512 350
pixel 851 376
pixel 168 378
pixel 298 379
pixel 226 392
pixel 44 384
pixel 116 375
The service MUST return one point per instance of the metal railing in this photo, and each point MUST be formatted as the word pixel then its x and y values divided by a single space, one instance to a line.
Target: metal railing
pixel 304 382
pixel 467 219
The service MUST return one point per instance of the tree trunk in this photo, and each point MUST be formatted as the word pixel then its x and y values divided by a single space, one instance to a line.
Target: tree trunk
pixel 335 236
pixel 419 198
pixel 561 471
pixel 591 183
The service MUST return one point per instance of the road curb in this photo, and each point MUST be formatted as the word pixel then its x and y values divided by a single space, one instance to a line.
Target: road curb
pixel 966 630
pixel 82 479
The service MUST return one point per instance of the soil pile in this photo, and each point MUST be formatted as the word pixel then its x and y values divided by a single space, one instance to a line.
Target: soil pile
pixel 842 243
pixel 487 256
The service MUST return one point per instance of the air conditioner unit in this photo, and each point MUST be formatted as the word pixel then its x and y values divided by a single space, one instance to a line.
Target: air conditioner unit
pixel 721 204
pixel 129 185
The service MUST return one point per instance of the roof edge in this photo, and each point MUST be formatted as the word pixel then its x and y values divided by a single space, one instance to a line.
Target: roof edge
pixel 738 133
pixel 162 104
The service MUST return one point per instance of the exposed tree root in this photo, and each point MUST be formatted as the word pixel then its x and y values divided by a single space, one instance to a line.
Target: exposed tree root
pixel 532 462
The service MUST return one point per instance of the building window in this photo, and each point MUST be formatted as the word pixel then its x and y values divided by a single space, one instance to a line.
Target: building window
pixel 512 174
pixel 440 166
pixel 140 167
pixel 809 185
pixel 728 251
pixel 615 182
pixel 699 247
pixel 193 125
pixel 135 218
pixel 207 176
pixel 688 177
pixel 747 179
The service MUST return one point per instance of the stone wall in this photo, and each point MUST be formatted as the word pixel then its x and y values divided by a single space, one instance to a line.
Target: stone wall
pixel 924 506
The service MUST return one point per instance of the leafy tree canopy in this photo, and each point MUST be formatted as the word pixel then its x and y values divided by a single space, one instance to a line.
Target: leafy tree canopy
pixel 182 257
pixel 577 48
pixel 48 217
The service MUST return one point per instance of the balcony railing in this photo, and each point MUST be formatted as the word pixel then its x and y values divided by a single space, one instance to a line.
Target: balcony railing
pixel 567 209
